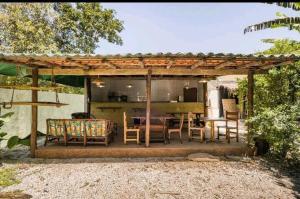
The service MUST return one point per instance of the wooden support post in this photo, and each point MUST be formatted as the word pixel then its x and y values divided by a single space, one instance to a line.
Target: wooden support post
pixel 148 108
pixel 89 94
pixel 250 99
pixel 34 113
pixel 205 98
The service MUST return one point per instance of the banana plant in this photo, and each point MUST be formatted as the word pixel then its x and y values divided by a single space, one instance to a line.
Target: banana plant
pixel 292 23
pixel 14 140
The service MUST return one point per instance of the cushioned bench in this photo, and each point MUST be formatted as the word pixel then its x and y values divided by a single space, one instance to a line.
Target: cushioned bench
pixel 84 131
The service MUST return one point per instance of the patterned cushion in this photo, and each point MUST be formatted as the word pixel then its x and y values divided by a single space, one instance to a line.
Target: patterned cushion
pixel 56 127
pixel 75 128
pixel 96 128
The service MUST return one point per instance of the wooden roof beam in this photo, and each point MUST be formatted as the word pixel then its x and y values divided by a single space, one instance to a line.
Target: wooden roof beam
pixel 141 62
pixel 224 64
pixel 251 64
pixel 268 66
pixel 199 63
pixel 156 71
pixel 109 64
pixel 78 63
pixel 171 62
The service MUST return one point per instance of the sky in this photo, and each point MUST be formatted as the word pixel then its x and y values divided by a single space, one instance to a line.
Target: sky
pixel 194 27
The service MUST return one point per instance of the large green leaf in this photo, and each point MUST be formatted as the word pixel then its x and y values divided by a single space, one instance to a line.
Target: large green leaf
pixel 289 22
pixel 25 142
pixel 12 141
pixel 6 115
pixel 2 134
pixel 293 5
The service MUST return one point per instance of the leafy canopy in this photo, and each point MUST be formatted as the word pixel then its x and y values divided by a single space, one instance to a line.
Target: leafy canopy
pixel 56 27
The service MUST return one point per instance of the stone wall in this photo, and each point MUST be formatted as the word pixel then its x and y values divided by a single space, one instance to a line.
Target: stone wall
pixel 20 123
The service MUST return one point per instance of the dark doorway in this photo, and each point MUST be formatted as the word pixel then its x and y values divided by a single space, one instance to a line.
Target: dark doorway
pixel 190 94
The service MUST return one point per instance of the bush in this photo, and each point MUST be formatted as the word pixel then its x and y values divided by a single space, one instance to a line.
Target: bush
pixel 276 110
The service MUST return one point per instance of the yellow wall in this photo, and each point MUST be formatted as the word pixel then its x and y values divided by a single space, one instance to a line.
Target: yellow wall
pixel 117 115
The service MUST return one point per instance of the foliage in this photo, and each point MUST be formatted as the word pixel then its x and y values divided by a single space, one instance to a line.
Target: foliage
pixel 10 80
pixel 276 108
pixel 80 27
pixel 56 27
pixel 280 127
pixel 292 23
pixel 282 46
pixel 8 177
pixel 14 140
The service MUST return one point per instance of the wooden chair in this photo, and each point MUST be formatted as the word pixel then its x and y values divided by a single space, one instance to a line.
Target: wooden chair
pixel 177 130
pixel 232 118
pixel 194 131
pixel 128 137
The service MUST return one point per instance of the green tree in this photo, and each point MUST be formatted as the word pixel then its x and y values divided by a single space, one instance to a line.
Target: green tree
pixel 293 23
pixel 26 28
pixel 56 27
pixel 277 94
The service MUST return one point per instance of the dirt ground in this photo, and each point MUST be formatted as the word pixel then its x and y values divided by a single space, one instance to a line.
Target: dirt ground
pixel 149 178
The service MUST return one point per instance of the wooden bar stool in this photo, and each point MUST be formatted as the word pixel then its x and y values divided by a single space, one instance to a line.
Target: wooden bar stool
pixel 194 131
pixel 128 137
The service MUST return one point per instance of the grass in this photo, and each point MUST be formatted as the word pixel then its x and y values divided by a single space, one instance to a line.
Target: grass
pixel 8 177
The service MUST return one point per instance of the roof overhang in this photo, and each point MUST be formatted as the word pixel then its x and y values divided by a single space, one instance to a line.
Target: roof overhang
pixel 139 64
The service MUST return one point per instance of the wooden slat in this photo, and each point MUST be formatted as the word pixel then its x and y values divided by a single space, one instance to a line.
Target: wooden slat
pixel 25 87
pixel 170 63
pixel 199 63
pixel 224 64
pixel 275 65
pixel 142 63
pixel 33 103
pixel 250 64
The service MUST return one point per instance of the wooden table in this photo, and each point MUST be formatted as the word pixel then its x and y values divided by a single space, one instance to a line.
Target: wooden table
pixel 162 118
pixel 212 122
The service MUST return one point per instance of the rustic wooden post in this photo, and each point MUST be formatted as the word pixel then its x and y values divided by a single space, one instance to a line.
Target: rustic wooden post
pixel 34 112
pixel 148 108
pixel 89 94
pixel 205 98
pixel 250 100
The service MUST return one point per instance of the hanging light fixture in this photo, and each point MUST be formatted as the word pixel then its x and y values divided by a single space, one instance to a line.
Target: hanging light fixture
pixel 187 85
pixel 129 85
pixel 97 81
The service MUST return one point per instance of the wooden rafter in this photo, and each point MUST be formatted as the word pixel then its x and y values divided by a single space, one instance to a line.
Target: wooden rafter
pixel 251 64
pixel 109 64
pixel 33 61
pixel 224 64
pixel 275 65
pixel 141 62
pixel 199 63
pixel 78 63
pixel 170 63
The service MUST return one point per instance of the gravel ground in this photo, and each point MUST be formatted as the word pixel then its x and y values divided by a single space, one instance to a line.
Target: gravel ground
pixel 148 178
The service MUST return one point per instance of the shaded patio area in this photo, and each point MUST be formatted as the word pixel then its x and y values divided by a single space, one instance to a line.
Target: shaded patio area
pixel 157 149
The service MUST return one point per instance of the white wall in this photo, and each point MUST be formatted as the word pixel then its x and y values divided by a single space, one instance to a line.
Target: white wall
pixel 213 98
pixel 20 122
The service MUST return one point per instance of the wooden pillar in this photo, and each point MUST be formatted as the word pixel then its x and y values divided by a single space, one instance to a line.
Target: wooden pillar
pixel 250 99
pixel 205 98
pixel 89 94
pixel 148 108
pixel 34 113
